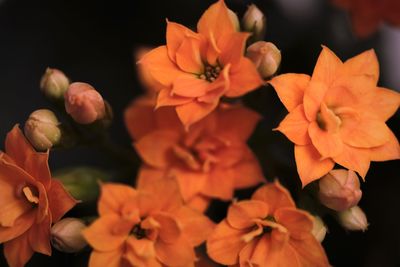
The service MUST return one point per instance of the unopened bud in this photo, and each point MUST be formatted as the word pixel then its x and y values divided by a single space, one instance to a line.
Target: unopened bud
pixel 339 189
pixel 353 219
pixel 319 229
pixel 265 56
pixel 255 22
pixel 54 83
pixel 66 235
pixel 41 129
pixel 84 103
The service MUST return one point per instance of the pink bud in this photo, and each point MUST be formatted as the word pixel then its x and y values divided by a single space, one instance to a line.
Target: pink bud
pixel 84 103
pixel 339 189
pixel 265 56
pixel 353 219
pixel 66 235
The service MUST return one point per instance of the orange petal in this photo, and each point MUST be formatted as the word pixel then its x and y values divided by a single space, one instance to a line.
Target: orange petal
pixel 310 166
pixel 160 65
pixel 21 225
pixel 179 253
pixel 310 252
pixel 195 226
pixel 384 103
pixel 199 203
pixel 295 126
pixel 220 184
pixel 225 243
pixel 216 20
pixel 275 195
pixel 176 33
pixel 241 215
pixel 238 121
pixel 328 144
pixel 299 223
pixel 169 230
pixel 290 88
pixel 313 97
pixel 388 151
pixel 246 253
pixel 364 133
pixel 60 201
pixel 210 51
pixel 148 176
pixel 18 251
pixel 355 159
pixel 39 236
pixel 143 248
pixel 269 249
pixel 232 47
pixel 113 196
pixel 289 257
pixel 326 68
pixel 190 183
pixel 244 78
pixel 43 207
pixel 101 235
pixel 155 147
pixel 365 63
pixel 188 56
pixel 109 258
pixel 194 111
pixel 247 173
pixel 190 85
pixel 166 98
pixel 139 117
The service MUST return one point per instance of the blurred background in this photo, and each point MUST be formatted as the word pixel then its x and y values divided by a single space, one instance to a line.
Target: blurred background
pixel 94 41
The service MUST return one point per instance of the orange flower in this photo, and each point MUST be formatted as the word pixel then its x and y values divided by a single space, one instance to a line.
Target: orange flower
pixel 338 115
pixel 210 160
pixel 196 69
pixel 367 15
pixel 30 200
pixel 148 227
pixel 267 230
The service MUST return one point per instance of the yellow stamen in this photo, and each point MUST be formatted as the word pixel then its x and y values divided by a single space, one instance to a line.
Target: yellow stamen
pixel 29 195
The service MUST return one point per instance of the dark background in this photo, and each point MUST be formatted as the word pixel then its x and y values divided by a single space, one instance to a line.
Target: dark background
pixel 93 41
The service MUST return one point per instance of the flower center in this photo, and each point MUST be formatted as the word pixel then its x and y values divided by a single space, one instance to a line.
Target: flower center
pixel 268 229
pixel 138 232
pixel 211 73
pixel 31 194
pixel 327 119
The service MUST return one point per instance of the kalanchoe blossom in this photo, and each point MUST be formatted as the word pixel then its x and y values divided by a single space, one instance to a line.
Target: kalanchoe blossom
pixel 197 69
pixel 30 200
pixel 210 160
pixel 368 15
pixel 145 227
pixel 338 115
pixel 266 230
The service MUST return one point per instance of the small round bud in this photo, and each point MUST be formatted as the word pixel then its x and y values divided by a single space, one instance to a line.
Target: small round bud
pixel 265 56
pixel 41 129
pixel 319 229
pixel 353 219
pixel 339 189
pixel 66 235
pixel 255 22
pixel 54 83
pixel 84 103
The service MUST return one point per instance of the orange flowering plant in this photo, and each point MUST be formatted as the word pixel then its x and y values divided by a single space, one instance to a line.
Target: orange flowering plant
pixel 195 187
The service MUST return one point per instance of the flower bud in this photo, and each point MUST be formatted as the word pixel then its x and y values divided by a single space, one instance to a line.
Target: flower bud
pixel 66 235
pixel 319 229
pixel 54 83
pixel 353 219
pixel 84 103
pixel 254 21
pixel 265 56
pixel 41 129
pixel 339 189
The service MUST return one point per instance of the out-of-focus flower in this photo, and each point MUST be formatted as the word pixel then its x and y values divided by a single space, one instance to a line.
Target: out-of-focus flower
pixel 66 235
pixel 84 103
pixel 353 219
pixel 255 22
pixel 265 56
pixel 319 229
pixel 210 160
pixel 339 189
pixel 30 200
pixel 54 83
pixel 148 227
pixel 267 230
pixel 197 69
pixel 42 129
pixel 367 15
pixel 152 86
pixel 338 115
